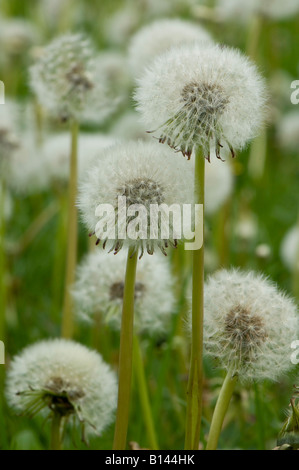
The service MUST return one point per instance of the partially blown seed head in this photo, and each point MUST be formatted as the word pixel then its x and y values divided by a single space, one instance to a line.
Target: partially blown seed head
pixel 63 78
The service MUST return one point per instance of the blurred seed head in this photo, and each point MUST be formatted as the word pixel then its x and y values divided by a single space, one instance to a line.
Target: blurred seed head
pixel 158 37
pixel 65 377
pixel 100 285
pixel 64 79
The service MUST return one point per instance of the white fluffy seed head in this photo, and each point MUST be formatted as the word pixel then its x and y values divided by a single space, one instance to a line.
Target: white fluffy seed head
pixel 66 377
pixel 195 96
pixel 36 169
pixel 63 78
pixel 289 250
pixel 249 325
pixel 129 127
pixel 16 37
pixel 274 9
pixel 158 37
pixel 9 140
pixel 100 285
pixel 145 173
pixel 111 90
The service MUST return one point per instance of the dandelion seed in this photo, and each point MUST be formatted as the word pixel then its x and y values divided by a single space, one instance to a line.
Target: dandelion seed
pixel 64 377
pixel 199 97
pixel 249 325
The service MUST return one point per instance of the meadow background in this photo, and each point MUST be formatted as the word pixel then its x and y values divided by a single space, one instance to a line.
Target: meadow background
pixel 246 232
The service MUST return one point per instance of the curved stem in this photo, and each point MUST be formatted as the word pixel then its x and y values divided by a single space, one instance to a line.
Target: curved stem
pixel 55 432
pixel 143 393
pixel 71 259
pixel 220 410
pixel 195 383
pixel 126 354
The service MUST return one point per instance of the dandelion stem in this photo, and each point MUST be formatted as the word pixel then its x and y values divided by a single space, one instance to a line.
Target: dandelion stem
pixel 71 258
pixel 125 354
pixel 55 431
pixel 254 35
pixel 296 271
pixel 195 383
pixel 2 260
pixel 143 393
pixel 220 410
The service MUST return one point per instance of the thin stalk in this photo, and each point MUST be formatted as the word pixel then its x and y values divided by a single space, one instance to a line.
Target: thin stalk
pixel 2 260
pixel 2 301
pixel 254 36
pixel 296 271
pixel 143 393
pixel 59 257
pixel 35 228
pixel 195 383
pixel 220 410
pixel 126 354
pixel 259 411
pixel 56 432
pixel 72 237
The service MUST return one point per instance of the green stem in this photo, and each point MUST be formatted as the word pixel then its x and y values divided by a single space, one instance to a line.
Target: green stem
pixel 296 271
pixel 143 393
pixel 220 410
pixel 195 383
pixel 254 35
pixel 126 354
pixel 55 431
pixel 2 260
pixel 260 421
pixel 2 302
pixel 71 258
pixel 59 258
pixel 258 156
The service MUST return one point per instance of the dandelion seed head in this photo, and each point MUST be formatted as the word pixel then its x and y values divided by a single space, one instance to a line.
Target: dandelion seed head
pixel 36 169
pixel 99 289
pixel 63 77
pixel 16 37
pixel 145 173
pixel 65 377
pixel 243 11
pixel 159 36
pixel 202 96
pixel 249 325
